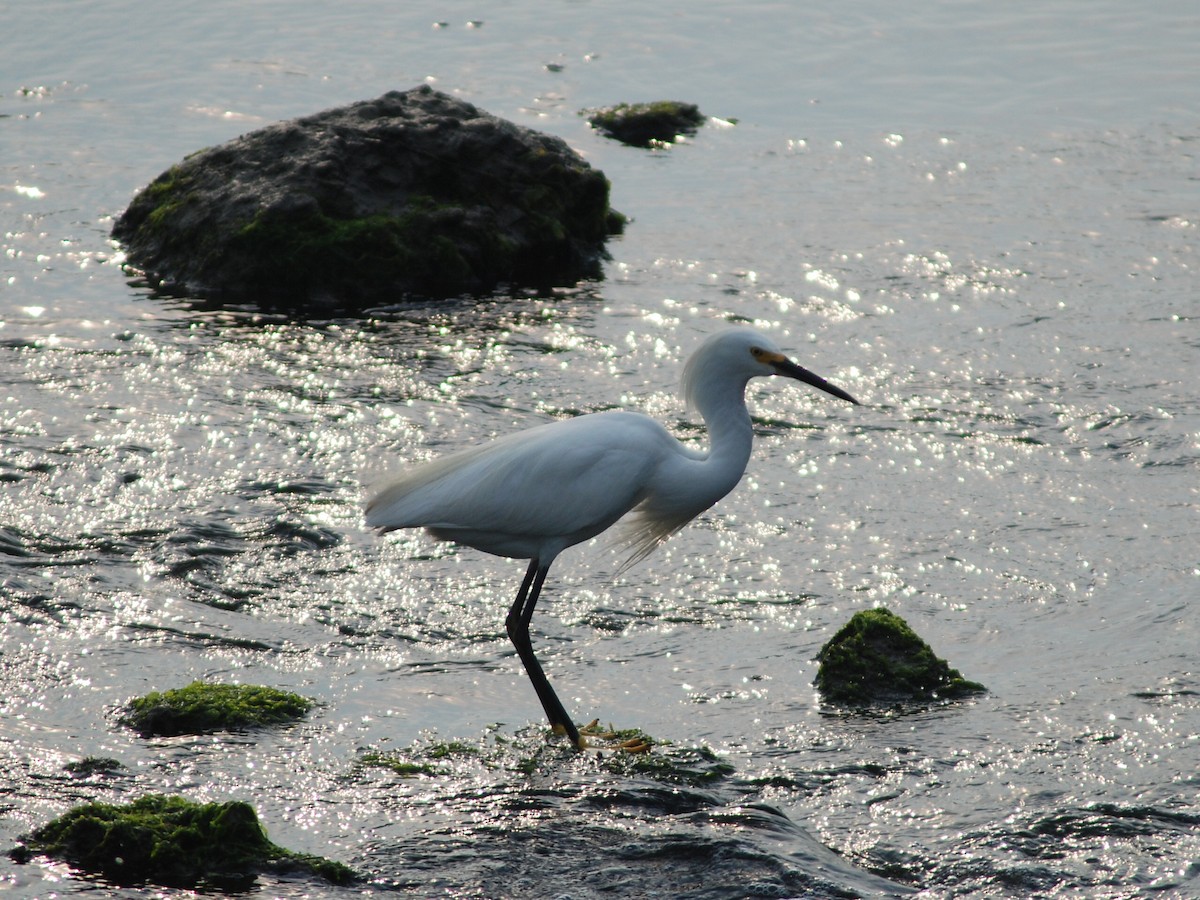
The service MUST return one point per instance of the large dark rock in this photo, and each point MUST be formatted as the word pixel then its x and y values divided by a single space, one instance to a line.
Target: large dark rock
pixel 414 193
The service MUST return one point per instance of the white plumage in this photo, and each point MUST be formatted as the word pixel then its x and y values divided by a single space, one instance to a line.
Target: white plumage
pixel 531 494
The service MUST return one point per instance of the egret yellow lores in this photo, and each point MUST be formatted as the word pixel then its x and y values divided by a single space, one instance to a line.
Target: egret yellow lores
pixel 531 494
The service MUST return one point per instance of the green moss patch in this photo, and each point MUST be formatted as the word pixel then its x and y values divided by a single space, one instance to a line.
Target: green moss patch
pixel 530 753
pixel 691 766
pixel 647 124
pixel 315 253
pixel 877 658
pixel 203 708
pixel 174 842
pixel 417 760
pixel 91 766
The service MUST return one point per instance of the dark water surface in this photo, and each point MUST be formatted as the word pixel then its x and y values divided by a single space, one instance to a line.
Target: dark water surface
pixel 980 219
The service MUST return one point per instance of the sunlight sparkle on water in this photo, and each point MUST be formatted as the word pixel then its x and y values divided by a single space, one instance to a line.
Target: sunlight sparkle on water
pixel 182 485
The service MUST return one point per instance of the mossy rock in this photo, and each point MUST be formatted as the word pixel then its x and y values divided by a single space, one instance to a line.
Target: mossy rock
pixel 174 842
pixel 877 658
pixel 415 194
pixel 647 124
pixel 92 766
pixel 204 708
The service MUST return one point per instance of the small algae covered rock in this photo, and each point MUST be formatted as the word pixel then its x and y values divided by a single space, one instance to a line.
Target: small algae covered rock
pixel 877 658
pixel 94 766
pixel 171 841
pixel 415 193
pixel 202 708
pixel 647 124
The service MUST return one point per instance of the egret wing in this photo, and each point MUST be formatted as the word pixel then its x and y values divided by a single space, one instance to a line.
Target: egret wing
pixel 568 479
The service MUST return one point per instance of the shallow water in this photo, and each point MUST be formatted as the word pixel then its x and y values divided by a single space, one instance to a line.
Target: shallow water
pixel 979 220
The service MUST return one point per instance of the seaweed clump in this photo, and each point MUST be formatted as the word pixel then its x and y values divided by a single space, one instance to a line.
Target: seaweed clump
pixel 691 766
pixel 417 761
pixel 647 124
pixel 203 708
pixel 877 658
pixel 95 766
pixel 174 842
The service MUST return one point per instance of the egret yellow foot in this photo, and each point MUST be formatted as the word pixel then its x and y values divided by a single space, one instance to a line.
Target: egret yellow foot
pixel 571 733
pixel 627 740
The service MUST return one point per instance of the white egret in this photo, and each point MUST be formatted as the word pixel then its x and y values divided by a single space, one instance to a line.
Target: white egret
pixel 531 494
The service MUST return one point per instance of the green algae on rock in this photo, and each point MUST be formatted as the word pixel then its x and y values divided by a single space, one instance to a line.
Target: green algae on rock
pixel 412 762
pixel 415 193
pixel 877 658
pixel 172 841
pixel 93 766
pixel 647 124
pixel 202 708
pixel 530 753
pixel 693 766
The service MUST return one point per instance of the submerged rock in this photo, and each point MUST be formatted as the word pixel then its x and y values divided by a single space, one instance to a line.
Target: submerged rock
pixel 413 193
pixel 171 841
pixel 202 708
pixel 95 766
pixel 647 124
pixel 877 658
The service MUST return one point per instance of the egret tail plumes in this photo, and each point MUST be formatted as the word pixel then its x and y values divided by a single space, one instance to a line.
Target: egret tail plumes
pixel 532 494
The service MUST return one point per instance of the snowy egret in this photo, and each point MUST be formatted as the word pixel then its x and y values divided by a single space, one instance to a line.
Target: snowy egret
pixel 531 494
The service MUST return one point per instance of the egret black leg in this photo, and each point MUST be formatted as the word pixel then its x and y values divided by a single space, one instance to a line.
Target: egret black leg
pixel 517 625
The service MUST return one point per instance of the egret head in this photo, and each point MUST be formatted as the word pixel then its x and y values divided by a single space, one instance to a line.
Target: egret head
pixel 742 354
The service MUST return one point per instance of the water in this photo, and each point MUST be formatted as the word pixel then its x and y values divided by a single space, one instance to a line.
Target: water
pixel 980 220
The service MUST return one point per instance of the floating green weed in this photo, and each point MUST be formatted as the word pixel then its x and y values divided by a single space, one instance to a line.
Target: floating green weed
pixel 627 752
pixel 692 766
pixel 452 748
pixel 418 759
pixel 396 764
